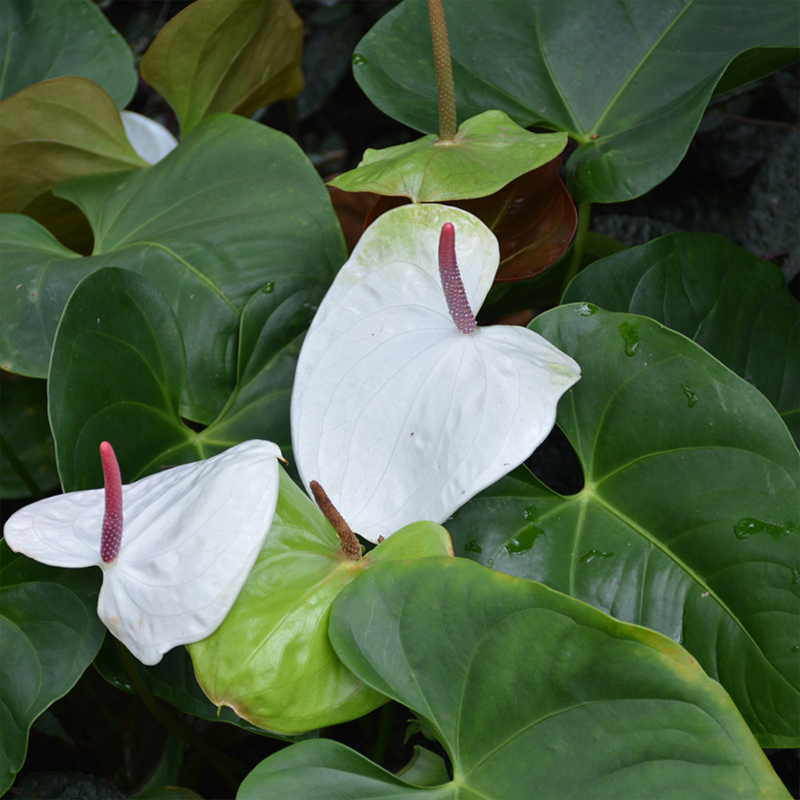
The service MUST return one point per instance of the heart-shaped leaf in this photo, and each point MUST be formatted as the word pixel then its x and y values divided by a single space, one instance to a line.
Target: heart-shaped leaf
pixel 25 428
pixel 271 660
pixel 688 520
pixel 49 634
pixel 515 680
pixel 118 366
pixel 396 411
pixel 730 302
pixel 627 81
pixel 40 39
pixel 59 129
pixel 489 151
pixel 533 218
pixel 234 56
pixel 207 225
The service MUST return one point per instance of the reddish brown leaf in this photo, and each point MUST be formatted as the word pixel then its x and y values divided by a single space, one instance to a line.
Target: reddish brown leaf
pixel 533 218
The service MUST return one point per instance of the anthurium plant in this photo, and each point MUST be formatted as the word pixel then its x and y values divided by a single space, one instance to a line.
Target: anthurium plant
pixel 483 503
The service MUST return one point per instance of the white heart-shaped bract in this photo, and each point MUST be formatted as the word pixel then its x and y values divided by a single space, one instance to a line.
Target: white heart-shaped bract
pixel 395 412
pixel 151 140
pixel 190 538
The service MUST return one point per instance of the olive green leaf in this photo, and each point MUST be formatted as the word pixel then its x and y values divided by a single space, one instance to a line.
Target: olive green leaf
pixel 235 56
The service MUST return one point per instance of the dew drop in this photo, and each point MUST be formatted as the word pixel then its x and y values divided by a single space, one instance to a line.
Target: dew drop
pixel 796 648
pixel 587 309
pixel 472 547
pixel 593 554
pixel 490 562
pixel 749 526
pixel 530 512
pixel 630 337
pixel 358 59
pixel 268 287
pixel 524 540
pixel 795 575
pixel 690 395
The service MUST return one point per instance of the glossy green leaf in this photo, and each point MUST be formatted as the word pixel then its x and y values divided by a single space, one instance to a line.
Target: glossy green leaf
pixel 24 425
pixel 730 302
pixel 40 39
pixel 271 660
pixel 532 694
pixel 688 522
pixel 118 366
pixel 237 205
pixel 634 76
pixel 49 634
pixel 55 130
pixel 489 151
pixel 234 56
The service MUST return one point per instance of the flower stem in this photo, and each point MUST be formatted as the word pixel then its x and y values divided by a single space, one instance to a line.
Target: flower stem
pixel 19 468
pixel 445 88
pixel 578 245
pixel 229 768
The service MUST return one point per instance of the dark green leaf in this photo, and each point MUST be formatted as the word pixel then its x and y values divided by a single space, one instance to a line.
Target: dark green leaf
pixel 40 39
pixel 730 302
pixel 235 206
pixel 67 786
pixel 688 522
pixel 24 425
pixel 531 693
pixel 633 75
pixel 49 634
pixel 118 366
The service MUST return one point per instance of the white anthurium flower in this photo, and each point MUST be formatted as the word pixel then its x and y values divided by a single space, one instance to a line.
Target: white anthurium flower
pixel 151 140
pixel 403 409
pixel 175 548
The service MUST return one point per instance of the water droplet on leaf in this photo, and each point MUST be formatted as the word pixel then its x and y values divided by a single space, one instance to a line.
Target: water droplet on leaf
pixel 795 575
pixel 630 337
pixel 593 554
pixel 358 59
pixel 530 512
pixel 524 540
pixel 587 309
pixel 268 287
pixel 749 526
pixel 690 395
pixel 472 547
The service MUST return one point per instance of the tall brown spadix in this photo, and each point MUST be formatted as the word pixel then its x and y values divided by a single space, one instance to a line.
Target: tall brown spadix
pixel 112 521
pixel 454 293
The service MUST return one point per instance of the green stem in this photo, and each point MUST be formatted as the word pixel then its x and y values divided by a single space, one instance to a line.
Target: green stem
pixel 578 245
pixel 229 768
pixel 19 468
pixel 445 88
pixel 384 732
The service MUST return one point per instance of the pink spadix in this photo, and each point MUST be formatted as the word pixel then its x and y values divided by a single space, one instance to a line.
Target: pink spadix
pixel 454 294
pixel 112 521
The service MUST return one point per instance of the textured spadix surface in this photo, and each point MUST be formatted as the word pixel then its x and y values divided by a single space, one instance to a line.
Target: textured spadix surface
pixel 191 535
pixel 395 412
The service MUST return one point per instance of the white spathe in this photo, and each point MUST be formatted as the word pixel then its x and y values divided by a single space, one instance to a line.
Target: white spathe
pixel 397 414
pixel 190 538
pixel 151 140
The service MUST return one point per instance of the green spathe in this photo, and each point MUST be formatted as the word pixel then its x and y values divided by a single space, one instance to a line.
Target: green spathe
pixel 271 660
pixel 489 151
